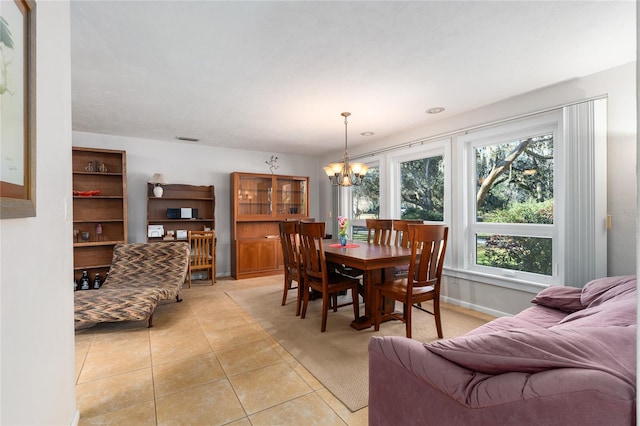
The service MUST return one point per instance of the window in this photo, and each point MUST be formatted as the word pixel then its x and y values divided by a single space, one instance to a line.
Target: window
pixel 513 220
pixel 525 199
pixel 419 182
pixel 422 189
pixel 365 202
pixel 514 185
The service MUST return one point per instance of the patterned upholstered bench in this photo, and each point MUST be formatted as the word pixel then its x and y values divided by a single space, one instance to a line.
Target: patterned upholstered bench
pixel 161 266
pixel 141 275
pixel 116 304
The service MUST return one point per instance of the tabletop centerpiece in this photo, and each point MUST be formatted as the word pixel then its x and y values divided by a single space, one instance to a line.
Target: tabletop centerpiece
pixel 343 224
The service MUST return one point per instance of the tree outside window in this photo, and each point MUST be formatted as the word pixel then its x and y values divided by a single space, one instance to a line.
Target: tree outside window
pixel 365 203
pixel 514 185
pixel 422 189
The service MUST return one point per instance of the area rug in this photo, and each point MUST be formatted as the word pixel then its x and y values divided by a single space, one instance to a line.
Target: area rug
pixel 338 358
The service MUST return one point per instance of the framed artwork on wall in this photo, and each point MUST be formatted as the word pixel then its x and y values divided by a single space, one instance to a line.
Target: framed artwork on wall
pixel 17 109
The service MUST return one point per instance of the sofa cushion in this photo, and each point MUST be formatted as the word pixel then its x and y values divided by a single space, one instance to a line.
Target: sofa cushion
pixel 600 290
pixel 566 299
pixel 616 312
pixel 609 349
pixel 533 317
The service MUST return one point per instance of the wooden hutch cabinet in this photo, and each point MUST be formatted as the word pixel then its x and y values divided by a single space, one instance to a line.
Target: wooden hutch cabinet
pixel 258 203
pixel 99 208
pixel 171 211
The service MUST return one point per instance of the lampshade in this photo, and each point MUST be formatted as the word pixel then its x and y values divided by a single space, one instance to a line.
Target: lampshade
pixel 158 179
pixel 345 174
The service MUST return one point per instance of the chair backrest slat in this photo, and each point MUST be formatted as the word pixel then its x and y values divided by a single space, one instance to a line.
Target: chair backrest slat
pixel 401 229
pixel 201 243
pixel 312 250
pixel 289 240
pixel 430 242
pixel 379 231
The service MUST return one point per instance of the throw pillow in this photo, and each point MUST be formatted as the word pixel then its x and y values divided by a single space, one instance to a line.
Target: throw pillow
pixel 566 299
pixel 602 289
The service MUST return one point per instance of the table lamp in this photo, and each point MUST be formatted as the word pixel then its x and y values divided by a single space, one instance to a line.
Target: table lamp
pixel 157 180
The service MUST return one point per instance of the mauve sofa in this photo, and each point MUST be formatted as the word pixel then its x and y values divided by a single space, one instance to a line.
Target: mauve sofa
pixel 570 359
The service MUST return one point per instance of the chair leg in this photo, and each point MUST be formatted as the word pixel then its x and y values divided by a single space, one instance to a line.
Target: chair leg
pixel 213 272
pixel 407 318
pixel 287 286
pixel 189 276
pixel 300 296
pixel 436 314
pixel 325 308
pixel 305 302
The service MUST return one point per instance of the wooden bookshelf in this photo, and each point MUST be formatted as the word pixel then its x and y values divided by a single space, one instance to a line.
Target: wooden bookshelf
pixel 99 208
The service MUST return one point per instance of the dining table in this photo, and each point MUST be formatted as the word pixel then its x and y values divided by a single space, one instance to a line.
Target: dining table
pixel 376 261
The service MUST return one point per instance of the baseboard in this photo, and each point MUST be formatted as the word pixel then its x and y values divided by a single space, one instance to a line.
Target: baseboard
pixel 76 419
pixel 474 307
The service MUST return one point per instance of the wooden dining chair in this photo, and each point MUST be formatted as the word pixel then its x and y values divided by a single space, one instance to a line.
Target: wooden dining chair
pixel 290 241
pixel 401 231
pixel 379 231
pixel 401 239
pixel 429 242
pixel 203 253
pixel 317 277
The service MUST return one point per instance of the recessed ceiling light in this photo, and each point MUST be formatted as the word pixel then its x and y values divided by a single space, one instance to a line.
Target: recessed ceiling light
pixel 367 133
pixel 435 110
pixel 187 139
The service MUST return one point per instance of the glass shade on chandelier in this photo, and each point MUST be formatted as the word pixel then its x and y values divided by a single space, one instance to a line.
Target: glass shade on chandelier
pixel 345 173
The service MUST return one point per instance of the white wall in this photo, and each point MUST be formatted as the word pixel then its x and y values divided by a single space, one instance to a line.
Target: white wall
pixel 193 164
pixel 619 84
pixel 36 297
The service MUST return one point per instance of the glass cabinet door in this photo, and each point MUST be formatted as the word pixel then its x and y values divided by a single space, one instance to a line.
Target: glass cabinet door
pixel 254 196
pixel 291 196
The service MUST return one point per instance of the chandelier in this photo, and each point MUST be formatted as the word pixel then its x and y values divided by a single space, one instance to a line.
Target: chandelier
pixel 345 173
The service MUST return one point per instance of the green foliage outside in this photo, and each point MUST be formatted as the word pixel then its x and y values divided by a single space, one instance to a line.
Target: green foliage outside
pixel 529 254
pixel 366 197
pixel 515 185
pixel 422 189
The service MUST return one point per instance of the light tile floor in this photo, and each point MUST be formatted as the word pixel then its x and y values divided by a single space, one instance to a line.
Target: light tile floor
pixel 204 362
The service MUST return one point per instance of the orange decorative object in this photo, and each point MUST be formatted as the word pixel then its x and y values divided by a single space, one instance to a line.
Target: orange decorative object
pixel 86 193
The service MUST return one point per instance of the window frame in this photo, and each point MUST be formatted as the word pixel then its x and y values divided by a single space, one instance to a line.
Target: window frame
pixel 440 147
pixel 347 192
pixel 550 122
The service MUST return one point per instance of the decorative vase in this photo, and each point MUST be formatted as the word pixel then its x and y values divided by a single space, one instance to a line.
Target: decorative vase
pixel 343 240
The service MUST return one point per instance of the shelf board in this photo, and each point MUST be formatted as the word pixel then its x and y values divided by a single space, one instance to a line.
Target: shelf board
pixel 97 243
pixel 97 220
pixel 84 172
pixel 179 220
pixel 103 197
pixel 181 198
pixel 80 268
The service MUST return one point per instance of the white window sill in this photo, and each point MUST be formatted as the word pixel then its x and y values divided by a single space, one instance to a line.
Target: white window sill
pixel 506 282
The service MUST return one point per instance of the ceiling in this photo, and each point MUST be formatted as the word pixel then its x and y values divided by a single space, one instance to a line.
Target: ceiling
pixel 276 75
